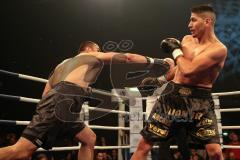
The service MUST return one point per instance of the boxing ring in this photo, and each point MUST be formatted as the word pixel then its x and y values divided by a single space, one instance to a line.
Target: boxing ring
pixel 121 113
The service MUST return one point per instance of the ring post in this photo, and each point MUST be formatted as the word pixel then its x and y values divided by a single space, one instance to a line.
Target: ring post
pixel 218 115
pixel 121 122
pixel 135 117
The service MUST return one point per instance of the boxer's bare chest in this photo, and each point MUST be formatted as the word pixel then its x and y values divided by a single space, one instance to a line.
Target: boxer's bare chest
pixel 192 49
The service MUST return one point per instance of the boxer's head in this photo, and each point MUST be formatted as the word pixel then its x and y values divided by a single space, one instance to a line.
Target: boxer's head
pixel 88 46
pixel 202 17
pixel 205 11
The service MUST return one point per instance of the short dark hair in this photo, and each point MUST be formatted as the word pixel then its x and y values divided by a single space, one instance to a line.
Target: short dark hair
pixel 86 44
pixel 204 8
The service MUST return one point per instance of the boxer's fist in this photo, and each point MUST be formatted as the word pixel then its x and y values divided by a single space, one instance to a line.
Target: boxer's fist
pixel 168 45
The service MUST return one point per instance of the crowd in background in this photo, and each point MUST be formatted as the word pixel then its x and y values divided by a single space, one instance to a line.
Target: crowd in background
pixel 11 138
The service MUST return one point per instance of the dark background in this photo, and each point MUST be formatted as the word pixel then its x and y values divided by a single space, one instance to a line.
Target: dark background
pixel 36 35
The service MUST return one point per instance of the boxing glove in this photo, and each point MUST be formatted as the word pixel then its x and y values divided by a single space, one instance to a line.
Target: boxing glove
pixel 172 46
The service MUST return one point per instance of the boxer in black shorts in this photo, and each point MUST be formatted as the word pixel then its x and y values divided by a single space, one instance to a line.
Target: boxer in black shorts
pixel 199 59
pixel 185 105
pixel 45 127
pixel 58 111
pixel 64 94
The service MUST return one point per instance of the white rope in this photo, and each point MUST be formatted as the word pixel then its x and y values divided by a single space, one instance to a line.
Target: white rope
pixel 60 149
pixel 91 126
pixel 117 147
pixel 22 123
pixel 98 91
pixel 172 147
pixel 33 100
pixel 226 93
pixel 108 127
pixel 230 110
pixel 107 110
pixel 30 100
pixel 111 147
pixel 78 147
pixel 231 146
pixel 23 76
pixel 33 78
pixel 230 127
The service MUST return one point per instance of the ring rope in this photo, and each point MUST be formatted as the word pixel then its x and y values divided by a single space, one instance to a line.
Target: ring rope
pixel 94 126
pixel 230 110
pixel 12 122
pixel 23 76
pixel 230 127
pixel 107 110
pixel 19 98
pixel 116 147
pixel 33 100
pixel 33 78
pixel 78 147
pixel 226 93
pixel 108 94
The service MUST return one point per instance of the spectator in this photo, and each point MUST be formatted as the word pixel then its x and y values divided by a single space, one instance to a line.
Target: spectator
pixel 177 156
pixel 114 154
pixel 99 156
pixel 106 156
pixel 42 156
pixel 102 141
pixel 233 153
pixel 11 138
pixel 195 155
pixel 225 155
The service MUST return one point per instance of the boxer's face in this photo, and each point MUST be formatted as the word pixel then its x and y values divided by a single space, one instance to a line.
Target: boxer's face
pixel 196 25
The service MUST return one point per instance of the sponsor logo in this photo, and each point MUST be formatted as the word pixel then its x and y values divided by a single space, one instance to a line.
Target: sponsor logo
pixel 185 91
pixel 206 132
pixel 197 115
pixel 158 131
pixel 177 112
pixel 161 119
pixel 206 122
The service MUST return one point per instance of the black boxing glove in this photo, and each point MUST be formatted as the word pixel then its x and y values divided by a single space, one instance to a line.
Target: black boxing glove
pixel 173 46
pixel 151 62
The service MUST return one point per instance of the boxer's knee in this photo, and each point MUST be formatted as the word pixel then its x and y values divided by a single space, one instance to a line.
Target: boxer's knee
pixel 214 151
pixel 92 140
pixel 87 137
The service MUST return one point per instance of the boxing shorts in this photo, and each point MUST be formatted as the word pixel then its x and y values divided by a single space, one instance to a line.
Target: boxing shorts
pixel 57 113
pixel 190 107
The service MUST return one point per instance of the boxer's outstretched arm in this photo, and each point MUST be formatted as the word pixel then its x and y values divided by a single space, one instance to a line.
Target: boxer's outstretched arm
pixel 106 57
pixel 127 57
pixel 130 57
pixel 136 58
